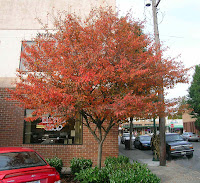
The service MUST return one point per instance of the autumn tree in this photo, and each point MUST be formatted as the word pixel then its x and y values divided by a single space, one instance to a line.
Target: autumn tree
pixel 194 96
pixel 103 67
pixel 179 106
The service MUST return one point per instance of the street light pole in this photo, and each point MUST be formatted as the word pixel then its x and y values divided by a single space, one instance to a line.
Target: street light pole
pixel 161 90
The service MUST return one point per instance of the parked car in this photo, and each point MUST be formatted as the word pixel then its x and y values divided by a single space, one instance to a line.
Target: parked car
pixel 25 165
pixel 176 146
pixel 143 142
pixel 126 136
pixel 190 136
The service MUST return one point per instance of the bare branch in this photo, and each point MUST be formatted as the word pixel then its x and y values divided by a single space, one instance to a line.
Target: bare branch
pixel 111 124
pixel 87 124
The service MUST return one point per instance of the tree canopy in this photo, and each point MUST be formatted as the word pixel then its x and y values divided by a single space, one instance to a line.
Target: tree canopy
pixel 194 96
pixel 103 67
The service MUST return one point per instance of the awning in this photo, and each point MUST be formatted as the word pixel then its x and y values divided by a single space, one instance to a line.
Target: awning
pixel 176 126
pixel 128 126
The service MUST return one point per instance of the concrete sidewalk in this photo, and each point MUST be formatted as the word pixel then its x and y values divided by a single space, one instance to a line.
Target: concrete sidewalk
pixel 171 173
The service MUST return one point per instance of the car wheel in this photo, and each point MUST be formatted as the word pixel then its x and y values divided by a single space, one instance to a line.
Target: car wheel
pixel 140 147
pixel 189 156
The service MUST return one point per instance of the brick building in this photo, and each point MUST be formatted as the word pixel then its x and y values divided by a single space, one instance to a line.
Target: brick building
pixel 189 123
pixel 17 24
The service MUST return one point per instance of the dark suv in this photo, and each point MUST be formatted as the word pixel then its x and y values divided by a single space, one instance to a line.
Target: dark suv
pixel 176 146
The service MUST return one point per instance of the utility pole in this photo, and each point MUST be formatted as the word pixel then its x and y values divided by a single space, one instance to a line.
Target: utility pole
pixel 161 90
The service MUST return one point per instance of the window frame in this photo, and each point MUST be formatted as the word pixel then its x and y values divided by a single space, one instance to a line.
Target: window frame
pixel 24 131
pixel 22 68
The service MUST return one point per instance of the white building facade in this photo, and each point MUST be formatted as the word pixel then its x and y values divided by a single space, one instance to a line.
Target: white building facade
pixel 19 21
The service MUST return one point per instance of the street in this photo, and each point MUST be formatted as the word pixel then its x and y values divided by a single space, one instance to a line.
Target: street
pixel 177 170
pixel 193 163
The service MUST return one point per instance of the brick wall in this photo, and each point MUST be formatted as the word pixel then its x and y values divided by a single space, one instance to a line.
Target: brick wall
pixel 190 127
pixel 11 121
pixel 11 134
pixel 189 123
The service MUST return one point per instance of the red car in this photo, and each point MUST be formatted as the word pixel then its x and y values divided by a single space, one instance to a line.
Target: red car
pixel 19 165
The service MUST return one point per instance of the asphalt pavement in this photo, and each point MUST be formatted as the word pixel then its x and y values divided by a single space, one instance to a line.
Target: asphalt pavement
pixel 171 173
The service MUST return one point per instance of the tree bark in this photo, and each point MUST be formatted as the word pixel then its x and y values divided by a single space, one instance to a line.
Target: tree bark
pixel 100 146
pixel 162 142
pixel 131 132
pixel 161 93
pixel 102 132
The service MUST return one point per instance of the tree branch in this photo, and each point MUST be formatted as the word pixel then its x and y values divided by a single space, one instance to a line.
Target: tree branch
pixel 83 113
pixel 111 124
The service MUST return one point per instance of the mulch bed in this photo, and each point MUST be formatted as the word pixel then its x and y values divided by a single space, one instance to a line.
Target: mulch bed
pixel 68 178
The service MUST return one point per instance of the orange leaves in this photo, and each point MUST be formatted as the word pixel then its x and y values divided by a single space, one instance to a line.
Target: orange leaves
pixel 136 105
pixel 105 65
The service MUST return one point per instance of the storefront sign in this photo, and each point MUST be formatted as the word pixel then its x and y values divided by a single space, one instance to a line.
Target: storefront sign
pixel 51 124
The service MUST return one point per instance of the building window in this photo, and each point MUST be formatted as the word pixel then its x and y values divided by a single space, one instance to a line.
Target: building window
pixel 42 131
pixel 41 52
pixel 23 48
pixel 137 124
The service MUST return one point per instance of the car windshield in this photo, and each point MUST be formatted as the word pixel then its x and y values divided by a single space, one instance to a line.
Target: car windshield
pixel 190 133
pixel 17 160
pixel 145 138
pixel 174 137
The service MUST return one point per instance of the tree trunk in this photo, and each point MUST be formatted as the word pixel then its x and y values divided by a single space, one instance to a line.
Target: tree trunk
pixel 161 93
pixel 100 138
pixel 162 142
pixel 100 145
pixel 131 132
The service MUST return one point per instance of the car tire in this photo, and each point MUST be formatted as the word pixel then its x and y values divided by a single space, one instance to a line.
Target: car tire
pixel 140 147
pixel 189 156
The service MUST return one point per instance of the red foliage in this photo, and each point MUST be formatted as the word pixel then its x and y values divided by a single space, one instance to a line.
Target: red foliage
pixel 105 66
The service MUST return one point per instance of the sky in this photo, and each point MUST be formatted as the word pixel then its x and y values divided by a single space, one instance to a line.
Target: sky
pixel 179 30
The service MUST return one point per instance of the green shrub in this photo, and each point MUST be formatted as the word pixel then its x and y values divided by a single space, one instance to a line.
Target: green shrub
pixel 124 176
pixel 78 164
pixel 113 163
pixel 119 160
pixel 123 171
pixel 56 163
pixel 93 175
pixel 116 170
pixel 143 174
